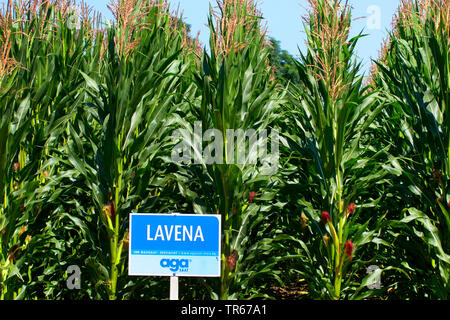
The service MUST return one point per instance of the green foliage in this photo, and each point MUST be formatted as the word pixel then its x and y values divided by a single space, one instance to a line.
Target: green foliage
pixel 414 75
pixel 92 115
pixel 236 94
pixel 283 63
pixel 333 112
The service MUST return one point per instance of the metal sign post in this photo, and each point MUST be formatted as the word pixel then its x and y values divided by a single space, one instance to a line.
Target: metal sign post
pixel 173 288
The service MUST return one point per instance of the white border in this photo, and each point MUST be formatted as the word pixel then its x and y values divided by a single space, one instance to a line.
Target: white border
pixel 219 217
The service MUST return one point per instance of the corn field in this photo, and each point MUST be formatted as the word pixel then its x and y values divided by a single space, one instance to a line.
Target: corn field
pixel 88 112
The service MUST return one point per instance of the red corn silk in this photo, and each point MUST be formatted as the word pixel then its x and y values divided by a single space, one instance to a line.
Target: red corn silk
pixel 325 217
pixel 348 247
pixel 232 259
pixel 351 208
pixel 437 176
pixel 251 196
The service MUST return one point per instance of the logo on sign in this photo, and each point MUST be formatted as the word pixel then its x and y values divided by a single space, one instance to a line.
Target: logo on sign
pixel 175 265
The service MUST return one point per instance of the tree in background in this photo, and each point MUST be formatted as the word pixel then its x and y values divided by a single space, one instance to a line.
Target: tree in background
pixel 283 63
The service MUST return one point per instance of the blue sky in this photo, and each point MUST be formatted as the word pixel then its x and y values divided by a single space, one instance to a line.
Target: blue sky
pixel 285 23
pixel 284 18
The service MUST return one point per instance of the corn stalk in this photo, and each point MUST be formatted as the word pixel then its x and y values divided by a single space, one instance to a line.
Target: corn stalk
pixel 237 95
pixel 37 99
pixel 413 72
pixel 333 112
pixel 131 101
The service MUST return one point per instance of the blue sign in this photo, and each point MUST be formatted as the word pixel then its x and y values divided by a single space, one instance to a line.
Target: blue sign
pixel 178 245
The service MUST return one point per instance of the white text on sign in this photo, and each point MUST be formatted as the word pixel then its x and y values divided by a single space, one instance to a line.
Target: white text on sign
pixel 180 233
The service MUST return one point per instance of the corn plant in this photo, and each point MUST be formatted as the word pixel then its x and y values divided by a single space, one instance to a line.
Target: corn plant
pixel 39 41
pixel 9 141
pixel 413 73
pixel 79 144
pixel 237 96
pixel 331 141
pixel 131 100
